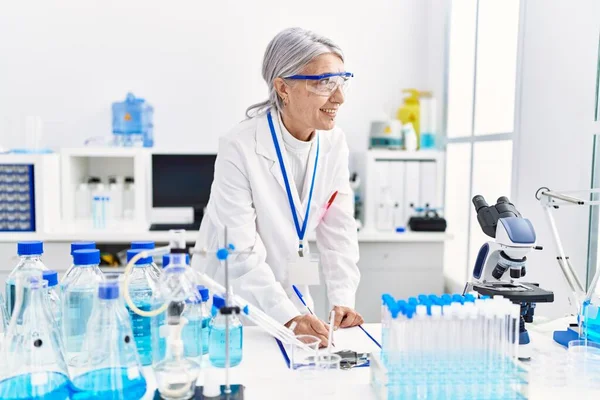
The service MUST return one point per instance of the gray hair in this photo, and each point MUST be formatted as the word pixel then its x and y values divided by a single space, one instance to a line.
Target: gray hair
pixel 287 54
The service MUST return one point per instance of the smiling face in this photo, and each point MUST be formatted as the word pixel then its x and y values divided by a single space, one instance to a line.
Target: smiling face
pixel 305 110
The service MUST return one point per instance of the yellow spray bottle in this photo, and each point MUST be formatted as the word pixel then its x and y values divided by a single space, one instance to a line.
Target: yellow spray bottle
pixel 410 111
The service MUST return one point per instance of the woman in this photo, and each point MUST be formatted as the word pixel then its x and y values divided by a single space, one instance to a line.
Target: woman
pixel 287 162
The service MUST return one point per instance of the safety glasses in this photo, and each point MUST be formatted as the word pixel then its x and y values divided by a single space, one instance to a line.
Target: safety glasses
pixel 325 84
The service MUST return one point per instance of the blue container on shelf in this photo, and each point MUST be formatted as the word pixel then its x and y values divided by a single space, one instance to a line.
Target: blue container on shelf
pixel 132 122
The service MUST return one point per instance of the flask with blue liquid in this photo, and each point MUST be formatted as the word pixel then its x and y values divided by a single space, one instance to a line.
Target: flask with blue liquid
pixel 78 291
pixel 29 260
pixel 52 296
pixel 198 318
pixel 33 364
pixel 147 245
pixel 143 289
pixel 216 339
pixel 112 369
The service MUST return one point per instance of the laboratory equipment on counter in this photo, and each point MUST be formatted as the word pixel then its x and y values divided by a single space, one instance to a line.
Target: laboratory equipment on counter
pixel 112 368
pixel 218 342
pixel 132 122
pixel 167 259
pixel 115 190
pixel 78 246
pixel 78 290
pixel 501 262
pixel 587 323
pixel 386 134
pixel 33 365
pixel 53 297
pixel 426 219
pixel 128 197
pixel 29 260
pixel 428 121
pixel 410 111
pixel 432 347
pixel 195 332
pixel 17 198
pixel 143 289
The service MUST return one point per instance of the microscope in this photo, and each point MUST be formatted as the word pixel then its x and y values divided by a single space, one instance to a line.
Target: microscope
pixel 502 262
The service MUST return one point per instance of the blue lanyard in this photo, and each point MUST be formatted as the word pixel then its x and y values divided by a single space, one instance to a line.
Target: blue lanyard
pixel 299 231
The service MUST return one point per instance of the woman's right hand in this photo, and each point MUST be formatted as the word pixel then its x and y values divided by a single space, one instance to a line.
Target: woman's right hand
pixel 309 324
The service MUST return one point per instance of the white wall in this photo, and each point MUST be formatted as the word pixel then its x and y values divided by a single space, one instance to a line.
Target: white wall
pixel 197 62
pixel 554 138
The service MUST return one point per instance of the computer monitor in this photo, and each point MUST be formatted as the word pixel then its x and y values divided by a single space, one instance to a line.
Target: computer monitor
pixel 182 180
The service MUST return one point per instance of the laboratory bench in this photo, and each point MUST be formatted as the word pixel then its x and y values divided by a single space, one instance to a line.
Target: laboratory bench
pixel 265 374
pixel 405 264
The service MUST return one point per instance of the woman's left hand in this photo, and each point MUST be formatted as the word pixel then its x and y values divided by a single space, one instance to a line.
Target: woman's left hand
pixel 345 317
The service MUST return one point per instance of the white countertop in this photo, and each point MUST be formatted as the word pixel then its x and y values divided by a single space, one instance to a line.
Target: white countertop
pixel 265 375
pixel 130 233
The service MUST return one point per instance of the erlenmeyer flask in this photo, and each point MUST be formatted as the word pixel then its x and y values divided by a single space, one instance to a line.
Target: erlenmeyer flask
pixel 33 362
pixel 112 368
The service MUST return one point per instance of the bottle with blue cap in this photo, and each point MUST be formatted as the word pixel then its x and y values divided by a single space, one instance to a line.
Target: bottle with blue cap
pixel 52 296
pixel 216 336
pixel 78 246
pixel 78 291
pixel 33 364
pixel 143 289
pixel 147 245
pixel 113 369
pixel 198 318
pixel 30 254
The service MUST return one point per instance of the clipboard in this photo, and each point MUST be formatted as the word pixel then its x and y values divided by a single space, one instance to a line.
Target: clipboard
pixel 287 360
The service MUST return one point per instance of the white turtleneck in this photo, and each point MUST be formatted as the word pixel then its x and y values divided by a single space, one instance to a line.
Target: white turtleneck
pixel 297 156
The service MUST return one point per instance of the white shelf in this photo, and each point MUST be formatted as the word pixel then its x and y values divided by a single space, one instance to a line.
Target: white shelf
pixel 422 155
pixel 130 233
pixel 104 151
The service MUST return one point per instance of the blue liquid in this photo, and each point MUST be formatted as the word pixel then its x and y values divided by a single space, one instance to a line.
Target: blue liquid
pixel 142 332
pixel 78 308
pixel 192 338
pixel 427 140
pixel 205 330
pixel 11 291
pixel 108 384
pixel 217 346
pixel 57 387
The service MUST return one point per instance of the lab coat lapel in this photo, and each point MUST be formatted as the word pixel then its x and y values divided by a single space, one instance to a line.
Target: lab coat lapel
pixel 266 148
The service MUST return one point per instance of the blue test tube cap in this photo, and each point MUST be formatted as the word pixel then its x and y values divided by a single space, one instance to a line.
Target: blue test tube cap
pixel 447 298
pixel 86 257
pixel 434 299
pixel 484 297
pixel 108 290
pixel 410 311
pixel 457 298
pixel 142 261
pixel 143 244
pixel 218 301
pixel 30 248
pixel 51 276
pixel 203 291
pixel 469 298
pixel 423 298
pixel 387 296
pixel 82 246
pixel 413 301
pixel 166 260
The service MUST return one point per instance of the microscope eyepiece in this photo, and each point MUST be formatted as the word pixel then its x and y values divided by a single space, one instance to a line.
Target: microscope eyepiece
pixel 503 199
pixel 479 202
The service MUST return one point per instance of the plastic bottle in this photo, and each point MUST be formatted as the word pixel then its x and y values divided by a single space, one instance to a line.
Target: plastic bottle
pixel 78 246
pixel 216 340
pixel 116 197
pixel 410 111
pixel 33 365
pixel 29 260
pixel 112 370
pixel 428 127
pixel 53 297
pixel 411 139
pixel 148 245
pixel 143 289
pixel 78 292
pixel 128 197
pixel 83 203
pixel 195 332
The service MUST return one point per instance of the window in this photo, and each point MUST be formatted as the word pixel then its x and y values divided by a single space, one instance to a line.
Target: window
pixel 481 103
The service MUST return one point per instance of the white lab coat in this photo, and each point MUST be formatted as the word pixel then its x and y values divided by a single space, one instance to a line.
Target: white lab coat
pixel 248 196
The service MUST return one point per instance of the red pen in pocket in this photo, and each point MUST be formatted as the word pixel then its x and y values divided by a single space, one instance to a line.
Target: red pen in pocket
pixel 327 205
